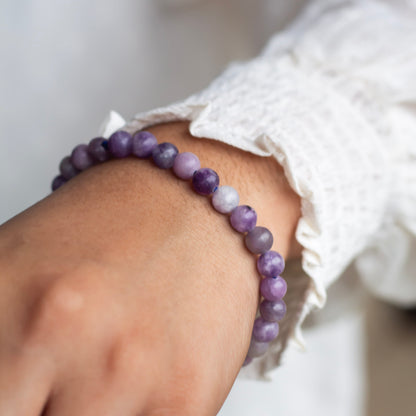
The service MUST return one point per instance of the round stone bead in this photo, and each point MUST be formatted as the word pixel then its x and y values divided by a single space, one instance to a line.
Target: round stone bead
pixel 247 361
pixel 265 331
pixel 81 158
pixel 97 150
pixel 273 311
pixel 164 155
pixel 243 218
pixel 120 143
pixel 185 165
pixel 57 182
pixel 225 199
pixel 205 181
pixel 259 240
pixel 143 143
pixel 273 289
pixel 270 264
pixel 67 169
pixel 257 348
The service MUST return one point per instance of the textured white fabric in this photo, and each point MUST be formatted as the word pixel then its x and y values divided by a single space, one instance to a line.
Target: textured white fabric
pixel 333 99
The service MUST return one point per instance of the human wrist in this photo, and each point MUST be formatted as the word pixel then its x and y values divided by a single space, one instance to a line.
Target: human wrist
pixel 260 181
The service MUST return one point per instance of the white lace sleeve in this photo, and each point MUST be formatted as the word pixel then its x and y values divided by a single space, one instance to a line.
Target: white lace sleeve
pixel 333 99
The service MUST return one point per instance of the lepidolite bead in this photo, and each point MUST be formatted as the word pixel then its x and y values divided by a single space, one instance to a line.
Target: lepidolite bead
pixel 273 311
pixel 120 143
pixel 257 348
pixel 58 182
pixel 185 165
pixel 81 158
pixel 270 264
pixel 67 169
pixel 164 155
pixel 96 149
pixel 205 180
pixel 259 240
pixel 265 331
pixel 273 289
pixel 243 218
pixel 225 199
pixel 143 143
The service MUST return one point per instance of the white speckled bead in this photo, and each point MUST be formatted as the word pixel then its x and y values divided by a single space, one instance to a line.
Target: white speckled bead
pixel 225 199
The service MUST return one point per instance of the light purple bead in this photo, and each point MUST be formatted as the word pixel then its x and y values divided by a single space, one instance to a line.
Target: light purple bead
pixel 80 157
pixel 164 155
pixel 205 181
pixel 97 150
pixel 119 144
pixel 270 264
pixel 243 218
pixel 273 311
pixel 265 331
pixel 57 182
pixel 225 199
pixel 273 289
pixel 185 165
pixel 67 169
pixel 257 348
pixel 143 143
pixel 259 240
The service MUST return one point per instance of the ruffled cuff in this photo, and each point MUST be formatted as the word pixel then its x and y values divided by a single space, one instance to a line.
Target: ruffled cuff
pixel 321 104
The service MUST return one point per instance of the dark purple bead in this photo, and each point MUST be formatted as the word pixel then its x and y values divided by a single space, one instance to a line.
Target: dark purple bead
pixel 57 182
pixel 243 218
pixel 143 143
pixel 97 150
pixel 265 331
pixel 119 144
pixel 164 155
pixel 273 311
pixel 205 181
pixel 270 264
pixel 80 157
pixel 273 289
pixel 259 240
pixel 67 169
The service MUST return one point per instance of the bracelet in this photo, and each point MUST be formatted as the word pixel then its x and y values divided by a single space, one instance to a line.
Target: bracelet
pixel 225 200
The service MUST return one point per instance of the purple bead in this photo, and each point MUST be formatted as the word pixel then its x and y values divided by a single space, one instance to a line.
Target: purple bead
pixel 225 199
pixel 243 218
pixel 80 157
pixel 247 361
pixel 265 331
pixel 270 264
pixel 67 169
pixel 259 240
pixel 143 143
pixel 205 181
pixel 185 165
pixel 273 289
pixel 57 182
pixel 257 348
pixel 119 144
pixel 273 311
pixel 164 155
pixel 96 149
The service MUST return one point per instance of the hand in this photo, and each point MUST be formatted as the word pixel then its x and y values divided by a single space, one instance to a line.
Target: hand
pixel 125 293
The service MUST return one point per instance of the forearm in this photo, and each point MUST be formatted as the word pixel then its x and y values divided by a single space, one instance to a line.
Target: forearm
pixel 125 240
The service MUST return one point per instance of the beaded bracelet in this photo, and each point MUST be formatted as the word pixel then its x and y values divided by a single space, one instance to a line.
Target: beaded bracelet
pixel 225 200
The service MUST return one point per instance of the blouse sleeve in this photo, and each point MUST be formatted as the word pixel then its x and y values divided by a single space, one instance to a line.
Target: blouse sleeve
pixel 333 99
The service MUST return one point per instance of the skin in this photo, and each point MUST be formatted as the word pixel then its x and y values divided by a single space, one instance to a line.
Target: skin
pixel 124 293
